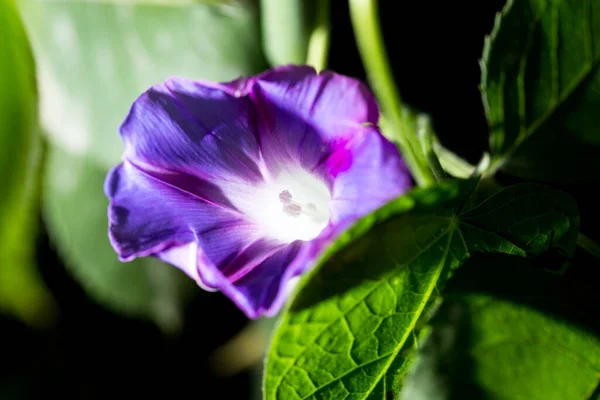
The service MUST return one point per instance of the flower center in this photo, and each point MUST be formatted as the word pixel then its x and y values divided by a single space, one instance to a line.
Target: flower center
pixel 294 209
pixel 292 206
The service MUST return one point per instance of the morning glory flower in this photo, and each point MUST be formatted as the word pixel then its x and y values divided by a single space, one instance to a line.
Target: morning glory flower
pixel 243 184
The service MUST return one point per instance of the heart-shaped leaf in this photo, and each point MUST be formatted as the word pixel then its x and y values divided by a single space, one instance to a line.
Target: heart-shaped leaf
pixel 541 89
pixel 351 329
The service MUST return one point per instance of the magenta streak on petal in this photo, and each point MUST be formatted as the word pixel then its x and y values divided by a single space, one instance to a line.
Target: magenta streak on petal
pixel 339 161
pixel 249 305
pixel 165 227
pixel 258 290
pixel 240 273
pixel 181 183
pixel 158 131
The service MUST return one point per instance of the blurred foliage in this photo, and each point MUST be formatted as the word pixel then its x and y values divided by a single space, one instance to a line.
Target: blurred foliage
pixel 22 292
pixel 94 59
pixel 508 330
pixel 75 209
pixel 286 29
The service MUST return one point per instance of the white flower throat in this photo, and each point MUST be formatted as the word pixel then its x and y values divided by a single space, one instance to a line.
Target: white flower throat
pixel 294 209
pixel 297 206
pixel 291 206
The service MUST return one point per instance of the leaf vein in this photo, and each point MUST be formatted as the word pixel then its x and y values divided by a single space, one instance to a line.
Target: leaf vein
pixel 379 283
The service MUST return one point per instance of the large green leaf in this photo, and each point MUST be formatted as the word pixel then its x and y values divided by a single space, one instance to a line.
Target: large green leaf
pixel 350 330
pixel 507 330
pixel 22 293
pixel 95 58
pixel 541 89
pixel 75 210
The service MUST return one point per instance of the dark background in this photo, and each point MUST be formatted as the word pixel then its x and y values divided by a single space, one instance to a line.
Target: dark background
pixel 93 353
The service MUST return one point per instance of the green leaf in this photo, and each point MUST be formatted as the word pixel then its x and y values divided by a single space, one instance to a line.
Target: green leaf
pixel 22 292
pixel 524 219
pixel 95 58
pixel 507 330
pixel 75 210
pixel 541 89
pixel 351 329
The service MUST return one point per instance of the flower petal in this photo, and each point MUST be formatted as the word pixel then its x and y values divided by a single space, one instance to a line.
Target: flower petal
pixel 148 215
pixel 368 172
pixel 237 88
pixel 203 160
pixel 186 223
pixel 185 126
pixel 327 99
pixel 302 115
pixel 262 290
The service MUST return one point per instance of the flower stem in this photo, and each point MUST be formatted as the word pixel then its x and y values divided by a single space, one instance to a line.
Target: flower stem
pixel 426 137
pixel 365 21
pixel 588 245
pixel 318 44
pixel 452 163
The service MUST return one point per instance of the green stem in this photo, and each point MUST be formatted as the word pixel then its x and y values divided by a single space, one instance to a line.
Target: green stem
pixel 318 44
pixel 365 21
pixel 495 165
pixel 453 164
pixel 588 245
pixel 426 137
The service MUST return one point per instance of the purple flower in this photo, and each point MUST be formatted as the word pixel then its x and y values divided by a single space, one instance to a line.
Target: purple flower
pixel 243 184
